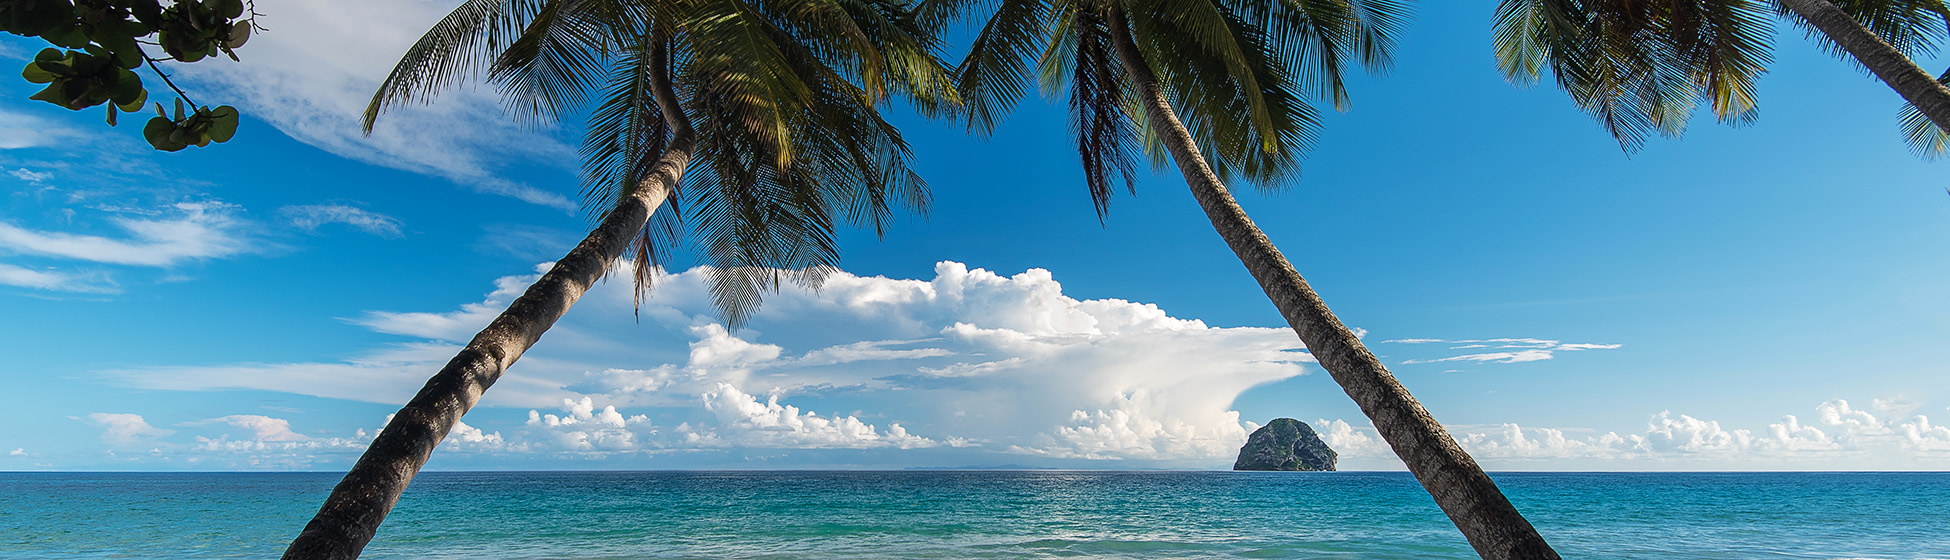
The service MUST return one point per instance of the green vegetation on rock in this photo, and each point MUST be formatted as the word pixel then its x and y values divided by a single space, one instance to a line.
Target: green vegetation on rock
pixel 1285 444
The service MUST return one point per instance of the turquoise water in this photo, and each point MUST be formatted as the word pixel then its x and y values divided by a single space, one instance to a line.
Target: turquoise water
pixel 979 514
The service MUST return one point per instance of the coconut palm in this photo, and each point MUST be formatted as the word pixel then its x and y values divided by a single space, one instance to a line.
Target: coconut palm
pixel 759 115
pixel 1642 67
pixel 1240 72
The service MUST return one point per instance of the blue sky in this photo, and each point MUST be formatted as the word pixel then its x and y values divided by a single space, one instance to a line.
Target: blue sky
pixel 1762 297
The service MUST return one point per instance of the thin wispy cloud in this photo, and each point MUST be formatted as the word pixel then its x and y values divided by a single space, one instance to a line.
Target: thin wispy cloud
pixel 1505 350
pixel 312 74
pixel 310 217
pixel 51 280
pixel 22 130
pixel 193 231
pixel 30 175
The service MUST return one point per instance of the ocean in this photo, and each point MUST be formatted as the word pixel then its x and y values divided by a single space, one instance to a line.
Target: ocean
pixel 978 514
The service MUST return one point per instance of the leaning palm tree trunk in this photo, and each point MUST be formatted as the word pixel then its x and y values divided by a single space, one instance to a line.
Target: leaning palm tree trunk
pixel 1916 86
pixel 1459 486
pixel 353 512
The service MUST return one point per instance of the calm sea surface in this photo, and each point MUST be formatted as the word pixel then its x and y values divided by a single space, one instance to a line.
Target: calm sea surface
pixel 979 514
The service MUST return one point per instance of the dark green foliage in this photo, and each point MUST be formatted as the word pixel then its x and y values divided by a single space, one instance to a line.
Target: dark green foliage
pixel 784 97
pixel 1641 67
pixel 1239 73
pixel 1925 137
pixel 198 128
pixel 81 79
pixel 1285 444
pixel 100 51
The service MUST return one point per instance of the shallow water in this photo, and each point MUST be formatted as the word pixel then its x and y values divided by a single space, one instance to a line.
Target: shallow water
pixel 979 514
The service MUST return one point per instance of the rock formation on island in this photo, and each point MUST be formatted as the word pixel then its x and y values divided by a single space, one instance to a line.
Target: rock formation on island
pixel 1285 444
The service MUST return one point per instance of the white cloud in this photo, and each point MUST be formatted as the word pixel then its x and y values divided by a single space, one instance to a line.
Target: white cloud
pixel 584 428
pixel 746 422
pixel 199 230
pixel 313 216
pixel 869 350
pixel 1840 437
pixel 465 438
pixel 1492 357
pixel 312 74
pixel 30 176
pixel 19 130
pixel 389 374
pixel 966 357
pixel 1347 441
pixel 125 428
pixel 18 452
pixel 55 281
pixel 262 428
pixel 1514 350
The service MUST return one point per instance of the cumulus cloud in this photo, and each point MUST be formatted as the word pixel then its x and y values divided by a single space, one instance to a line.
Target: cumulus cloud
pixel 125 428
pixel 751 423
pixel 1839 435
pixel 262 428
pixel 194 230
pixel 312 74
pixel 310 217
pixel 1505 350
pixel 966 358
pixel 270 443
pixel 584 428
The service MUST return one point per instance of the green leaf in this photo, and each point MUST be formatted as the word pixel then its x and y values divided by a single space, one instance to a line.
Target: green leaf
pixel 239 34
pixel 29 18
pixel 111 116
pixel 53 94
pixel 157 130
pixel 223 123
pixel 128 87
pixel 179 110
pixel 142 96
pixel 35 74
pixel 227 9
pixel 127 55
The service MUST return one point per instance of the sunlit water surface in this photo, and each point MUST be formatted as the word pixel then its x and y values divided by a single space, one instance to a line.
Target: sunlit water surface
pixel 979 514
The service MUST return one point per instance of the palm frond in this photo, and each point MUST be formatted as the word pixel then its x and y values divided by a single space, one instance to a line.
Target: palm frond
pixel 457 48
pixel 1913 27
pixel 1924 137
pixel 995 73
pixel 1105 139
pixel 558 58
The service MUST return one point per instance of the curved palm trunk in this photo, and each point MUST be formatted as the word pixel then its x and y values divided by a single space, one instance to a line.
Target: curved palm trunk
pixel 1459 486
pixel 1916 86
pixel 353 512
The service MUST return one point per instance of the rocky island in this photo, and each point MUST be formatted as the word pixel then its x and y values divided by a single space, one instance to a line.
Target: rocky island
pixel 1285 444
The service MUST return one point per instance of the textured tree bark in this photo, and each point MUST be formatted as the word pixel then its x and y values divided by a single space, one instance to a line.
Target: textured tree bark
pixel 1486 518
pixel 1916 86
pixel 352 513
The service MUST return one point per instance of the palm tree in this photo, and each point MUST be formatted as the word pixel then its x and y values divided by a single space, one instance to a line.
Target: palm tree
pixel 1642 67
pixel 774 101
pixel 1237 69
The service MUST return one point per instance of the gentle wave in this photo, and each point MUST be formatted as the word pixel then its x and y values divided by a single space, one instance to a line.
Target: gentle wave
pixel 980 515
